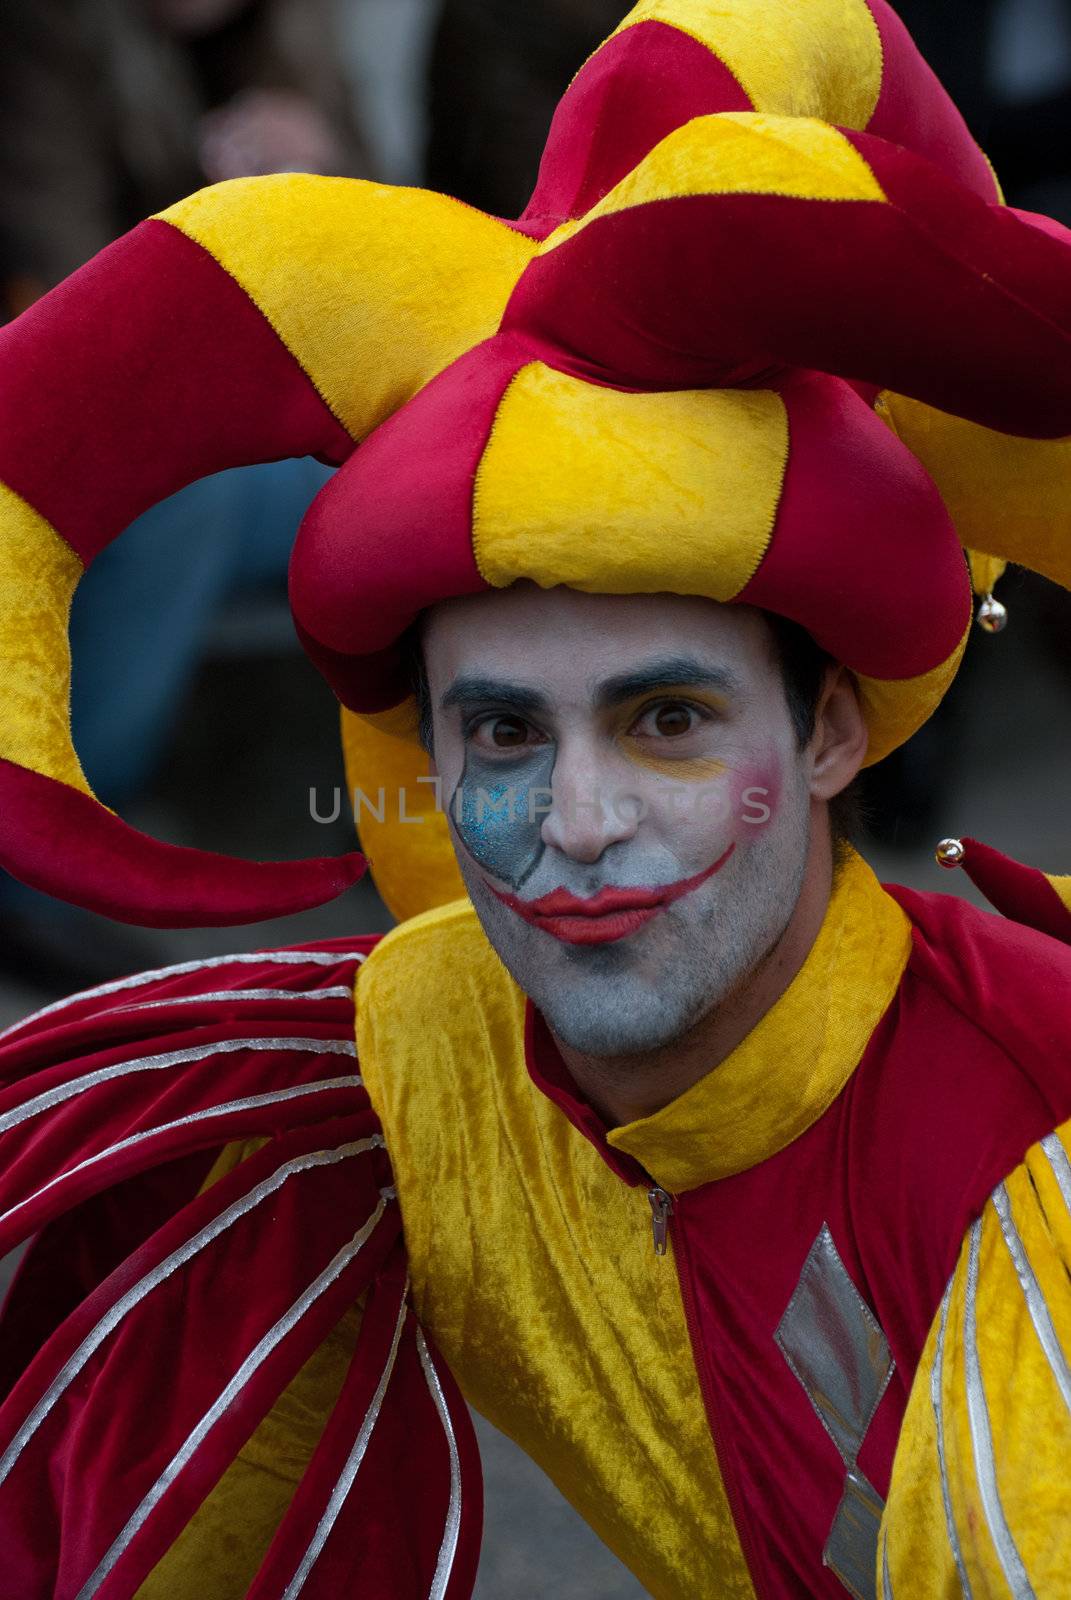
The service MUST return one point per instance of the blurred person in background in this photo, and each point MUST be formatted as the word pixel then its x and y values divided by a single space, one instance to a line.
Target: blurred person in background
pixel 110 110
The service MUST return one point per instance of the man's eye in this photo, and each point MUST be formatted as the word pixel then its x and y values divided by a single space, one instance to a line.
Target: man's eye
pixel 670 720
pixel 504 733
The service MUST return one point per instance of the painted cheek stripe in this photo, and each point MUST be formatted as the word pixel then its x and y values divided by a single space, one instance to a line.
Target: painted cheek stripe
pixel 497 814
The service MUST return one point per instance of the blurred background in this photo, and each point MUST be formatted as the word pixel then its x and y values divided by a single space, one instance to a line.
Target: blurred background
pixel 195 713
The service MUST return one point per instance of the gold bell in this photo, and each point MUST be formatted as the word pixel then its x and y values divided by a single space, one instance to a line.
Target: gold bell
pixel 992 615
pixel 950 853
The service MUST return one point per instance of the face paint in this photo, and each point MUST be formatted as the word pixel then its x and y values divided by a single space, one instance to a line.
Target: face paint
pixel 611 914
pixel 657 755
pixel 685 771
pixel 755 793
pixel 498 809
pixel 621 974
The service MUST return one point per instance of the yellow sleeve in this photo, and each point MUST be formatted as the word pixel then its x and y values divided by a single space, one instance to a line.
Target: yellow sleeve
pixel 980 1499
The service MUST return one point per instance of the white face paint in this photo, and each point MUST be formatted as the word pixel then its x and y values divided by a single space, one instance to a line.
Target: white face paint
pixel 629 805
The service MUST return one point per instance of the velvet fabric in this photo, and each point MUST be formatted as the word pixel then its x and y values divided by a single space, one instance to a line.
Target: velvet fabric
pixel 128 1094
pixel 664 76
pixel 374 290
pixel 119 388
pixel 1007 496
pixel 222 1548
pixel 96 376
pixel 62 841
pixel 532 1266
pixel 76 1250
pixel 888 702
pixel 94 1434
pixel 797 1058
pixel 670 247
pixel 403 828
pixel 566 463
pixel 1035 898
pixel 669 75
pixel 37 584
pixel 616 1369
pixel 408 1458
pixel 596 306
pixel 820 59
pixel 914 110
pixel 440 437
pixel 567 308
pixel 979 1499
pixel 905 515
pixel 749 192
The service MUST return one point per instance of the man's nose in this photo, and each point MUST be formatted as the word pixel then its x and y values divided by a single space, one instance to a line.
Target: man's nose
pixel 591 806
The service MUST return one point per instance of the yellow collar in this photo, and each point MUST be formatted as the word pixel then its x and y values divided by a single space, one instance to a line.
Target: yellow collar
pixel 794 1063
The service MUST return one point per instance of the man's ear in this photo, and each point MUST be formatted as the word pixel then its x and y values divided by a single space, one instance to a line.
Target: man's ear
pixel 840 739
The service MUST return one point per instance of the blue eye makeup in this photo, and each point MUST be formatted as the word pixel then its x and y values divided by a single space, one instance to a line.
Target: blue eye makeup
pixel 498 809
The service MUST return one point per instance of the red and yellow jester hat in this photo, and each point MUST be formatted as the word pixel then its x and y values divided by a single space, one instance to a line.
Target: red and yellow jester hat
pixel 765 333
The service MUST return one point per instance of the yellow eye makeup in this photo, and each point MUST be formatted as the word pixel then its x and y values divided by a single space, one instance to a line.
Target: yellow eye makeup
pixel 654 749
pixel 688 770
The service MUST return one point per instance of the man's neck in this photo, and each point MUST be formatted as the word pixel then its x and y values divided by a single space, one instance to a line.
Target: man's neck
pixel 625 1088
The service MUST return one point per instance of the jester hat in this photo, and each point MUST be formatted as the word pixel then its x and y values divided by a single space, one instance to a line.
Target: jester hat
pixel 765 334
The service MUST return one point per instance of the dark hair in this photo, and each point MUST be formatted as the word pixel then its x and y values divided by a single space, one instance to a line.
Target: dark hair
pixel 803 665
pixel 412 659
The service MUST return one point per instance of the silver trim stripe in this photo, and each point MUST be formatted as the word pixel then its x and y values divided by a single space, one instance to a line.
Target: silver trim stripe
pixel 982 1437
pixel 160 1273
pixel 886 1581
pixel 937 1373
pixel 251 1103
pixel 1061 1166
pixel 264 958
pixel 349 1472
pixel 337 993
pixel 226 1398
pixel 452 1530
pixel 160 1063
pixel 1040 1316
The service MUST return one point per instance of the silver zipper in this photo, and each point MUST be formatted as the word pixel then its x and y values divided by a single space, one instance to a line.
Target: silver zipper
pixel 661 1211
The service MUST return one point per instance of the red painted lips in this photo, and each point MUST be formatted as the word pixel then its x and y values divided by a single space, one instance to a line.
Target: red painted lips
pixel 610 915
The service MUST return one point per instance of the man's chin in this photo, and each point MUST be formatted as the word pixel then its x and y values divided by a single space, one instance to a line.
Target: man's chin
pixel 602 1005
pixel 603 1031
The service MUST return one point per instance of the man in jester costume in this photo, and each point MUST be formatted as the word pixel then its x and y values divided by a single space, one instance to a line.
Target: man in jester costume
pixel 733 1186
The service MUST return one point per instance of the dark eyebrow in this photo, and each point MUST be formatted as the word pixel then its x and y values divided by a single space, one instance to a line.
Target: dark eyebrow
pixel 666 672
pixel 467 692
